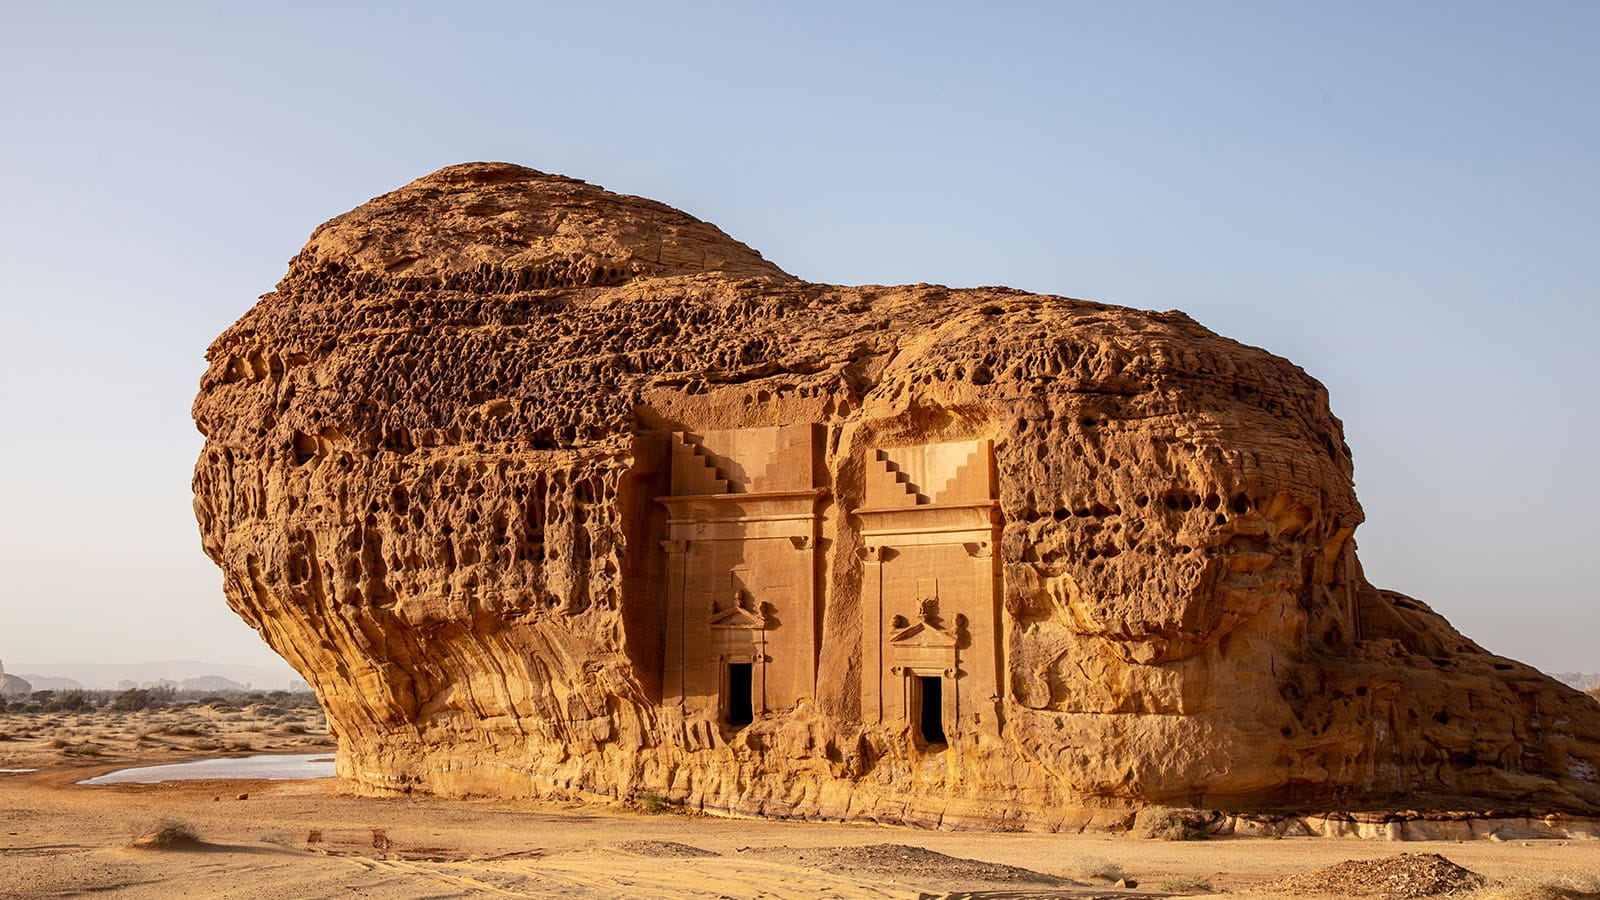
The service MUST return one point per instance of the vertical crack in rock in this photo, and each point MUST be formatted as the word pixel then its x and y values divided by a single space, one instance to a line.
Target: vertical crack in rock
pixel 549 490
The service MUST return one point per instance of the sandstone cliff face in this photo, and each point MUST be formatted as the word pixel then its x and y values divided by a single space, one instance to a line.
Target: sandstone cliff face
pixel 12 686
pixel 546 489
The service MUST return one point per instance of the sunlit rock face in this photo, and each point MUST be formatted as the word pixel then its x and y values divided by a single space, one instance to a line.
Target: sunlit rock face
pixel 13 687
pixel 550 490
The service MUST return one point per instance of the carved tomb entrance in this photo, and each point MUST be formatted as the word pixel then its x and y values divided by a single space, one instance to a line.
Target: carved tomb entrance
pixel 741 634
pixel 930 593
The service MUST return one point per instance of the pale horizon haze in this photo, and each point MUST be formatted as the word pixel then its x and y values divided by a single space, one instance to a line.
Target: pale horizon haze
pixel 1401 198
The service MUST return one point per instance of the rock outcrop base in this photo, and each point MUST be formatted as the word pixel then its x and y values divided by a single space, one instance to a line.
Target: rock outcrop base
pixel 549 490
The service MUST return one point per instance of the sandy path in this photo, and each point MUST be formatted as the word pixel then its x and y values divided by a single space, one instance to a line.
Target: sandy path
pixel 306 839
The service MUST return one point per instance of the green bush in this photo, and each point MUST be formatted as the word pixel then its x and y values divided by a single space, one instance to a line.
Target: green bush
pixel 68 701
pixel 131 700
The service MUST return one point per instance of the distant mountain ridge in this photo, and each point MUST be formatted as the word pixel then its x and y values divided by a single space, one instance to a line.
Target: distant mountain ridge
pixel 1583 681
pixel 111 676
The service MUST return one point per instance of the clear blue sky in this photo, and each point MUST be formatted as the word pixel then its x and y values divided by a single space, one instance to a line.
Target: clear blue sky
pixel 1400 197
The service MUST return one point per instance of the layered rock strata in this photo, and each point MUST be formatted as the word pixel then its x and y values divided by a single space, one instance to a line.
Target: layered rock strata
pixel 546 489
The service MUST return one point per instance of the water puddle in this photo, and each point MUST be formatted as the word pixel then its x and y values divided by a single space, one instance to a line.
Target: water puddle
pixel 272 767
pixel 16 771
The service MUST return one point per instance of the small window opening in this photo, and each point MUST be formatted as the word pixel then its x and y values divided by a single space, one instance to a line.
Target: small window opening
pixel 741 711
pixel 931 719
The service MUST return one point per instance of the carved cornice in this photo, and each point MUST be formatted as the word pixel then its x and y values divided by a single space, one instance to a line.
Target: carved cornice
pixel 962 521
pixel 876 553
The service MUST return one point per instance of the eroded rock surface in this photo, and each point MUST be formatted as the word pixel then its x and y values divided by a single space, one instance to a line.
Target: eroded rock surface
pixel 547 489
pixel 13 686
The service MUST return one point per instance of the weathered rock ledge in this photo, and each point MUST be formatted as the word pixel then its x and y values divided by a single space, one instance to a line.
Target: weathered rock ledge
pixel 546 489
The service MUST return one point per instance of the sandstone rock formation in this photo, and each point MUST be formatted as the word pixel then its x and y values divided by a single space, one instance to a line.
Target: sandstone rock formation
pixel 13 686
pixel 546 489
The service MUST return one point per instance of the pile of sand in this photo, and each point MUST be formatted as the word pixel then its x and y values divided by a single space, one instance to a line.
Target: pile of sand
pixel 903 862
pixel 671 849
pixel 1390 878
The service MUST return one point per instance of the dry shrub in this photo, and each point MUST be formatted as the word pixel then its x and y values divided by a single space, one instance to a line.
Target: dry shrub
pixel 180 730
pixel 1167 824
pixel 1093 868
pixel 1567 886
pixel 1186 885
pixel 164 834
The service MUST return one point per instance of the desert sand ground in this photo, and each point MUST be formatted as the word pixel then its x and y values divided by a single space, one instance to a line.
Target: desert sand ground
pixel 301 839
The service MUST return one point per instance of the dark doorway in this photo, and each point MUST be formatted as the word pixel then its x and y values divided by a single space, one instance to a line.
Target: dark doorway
pixel 931 720
pixel 740 709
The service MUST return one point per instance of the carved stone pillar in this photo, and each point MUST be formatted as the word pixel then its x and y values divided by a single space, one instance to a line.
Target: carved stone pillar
pixel 873 631
pixel 672 685
pixel 987 641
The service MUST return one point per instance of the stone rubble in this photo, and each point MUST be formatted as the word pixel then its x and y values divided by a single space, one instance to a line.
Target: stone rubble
pixel 1391 878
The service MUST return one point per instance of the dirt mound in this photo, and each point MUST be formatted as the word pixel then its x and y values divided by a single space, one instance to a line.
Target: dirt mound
pixel 671 849
pixel 903 861
pixel 1406 875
